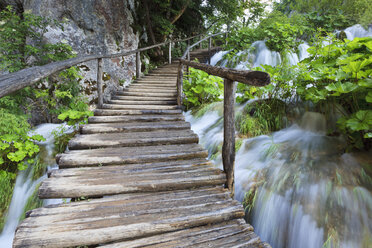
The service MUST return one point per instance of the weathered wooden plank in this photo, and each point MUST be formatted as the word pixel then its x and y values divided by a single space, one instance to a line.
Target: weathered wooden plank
pixel 134 127
pixel 144 98
pixel 88 141
pixel 143 167
pixel 100 82
pixel 135 118
pixel 138 102
pixel 130 155
pixel 115 104
pixel 111 112
pixel 72 230
pixel 187 237
pixel 110 182
pixel 154 90
pixel 255 78
pixel 158 94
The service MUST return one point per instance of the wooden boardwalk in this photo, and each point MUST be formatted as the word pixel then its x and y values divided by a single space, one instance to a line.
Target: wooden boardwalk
pixel 141 180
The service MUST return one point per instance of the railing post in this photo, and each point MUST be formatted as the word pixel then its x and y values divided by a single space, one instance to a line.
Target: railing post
pixel 228 148
pixel 138 65
pixel 180 84
pixel 170 52
pixel 100 82
pixel 209 50
pixel 188 67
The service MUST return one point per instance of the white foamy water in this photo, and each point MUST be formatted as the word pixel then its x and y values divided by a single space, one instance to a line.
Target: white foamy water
pixel 357 31
pixel 306 189
pixel 25 185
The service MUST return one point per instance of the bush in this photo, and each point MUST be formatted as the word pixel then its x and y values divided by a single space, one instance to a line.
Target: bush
pixel 202 89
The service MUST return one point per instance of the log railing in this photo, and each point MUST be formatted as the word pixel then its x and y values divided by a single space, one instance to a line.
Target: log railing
pixel 12 82
pixel 254 78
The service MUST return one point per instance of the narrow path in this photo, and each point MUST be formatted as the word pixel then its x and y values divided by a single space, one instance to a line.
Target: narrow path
pixel 147 181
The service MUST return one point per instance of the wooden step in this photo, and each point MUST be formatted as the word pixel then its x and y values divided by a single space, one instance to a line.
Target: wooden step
pixel 135 118
pixel 120 218
pixel 154 90
pixel 111 180
pixel 204 236
pixel 111 112
pixel 144 98
pixel 116 104
pixel 138 102
pixel 151 86
pixel 129 155
pixel 154 94
pixel 89 141
pixel 134 127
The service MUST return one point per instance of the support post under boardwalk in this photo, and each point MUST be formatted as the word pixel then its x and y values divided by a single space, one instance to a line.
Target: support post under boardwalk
pixel 228 148
pixel 100 82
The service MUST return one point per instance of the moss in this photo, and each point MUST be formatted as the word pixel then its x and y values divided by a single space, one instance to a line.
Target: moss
pixel 32 202
pixel 38 169
pixel 61 141
pixel 7 182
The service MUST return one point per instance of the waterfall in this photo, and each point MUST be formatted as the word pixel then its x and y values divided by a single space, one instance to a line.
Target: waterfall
pixel 303 189
pixel 306 189
pixel 25 185
pixel 357 31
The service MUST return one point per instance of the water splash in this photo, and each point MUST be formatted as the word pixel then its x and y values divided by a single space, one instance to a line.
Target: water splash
pixel 25 185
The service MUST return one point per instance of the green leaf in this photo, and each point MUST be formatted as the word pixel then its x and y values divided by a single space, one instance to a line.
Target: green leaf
pixel 341 88
pixel 369 96
pixel 365 82
pixel 362 120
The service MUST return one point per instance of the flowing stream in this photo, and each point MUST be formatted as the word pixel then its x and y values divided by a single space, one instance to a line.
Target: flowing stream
pixel 25 185
pixel 300 189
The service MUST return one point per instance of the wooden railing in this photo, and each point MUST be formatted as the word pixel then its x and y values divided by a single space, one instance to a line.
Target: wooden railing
pixel 254 78
pixel 12 82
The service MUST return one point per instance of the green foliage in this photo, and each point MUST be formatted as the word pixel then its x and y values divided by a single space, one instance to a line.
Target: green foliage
pixel 32 202
pixel 7 180
pixel 202 89
pixel 75 117
pixel 16 145
pixel 341 72
pixel 282 37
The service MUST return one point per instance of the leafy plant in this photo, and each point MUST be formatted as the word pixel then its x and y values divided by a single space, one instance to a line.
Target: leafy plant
pixel 201 89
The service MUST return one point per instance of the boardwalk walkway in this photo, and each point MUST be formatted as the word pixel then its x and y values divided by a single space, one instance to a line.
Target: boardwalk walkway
pixel 158 188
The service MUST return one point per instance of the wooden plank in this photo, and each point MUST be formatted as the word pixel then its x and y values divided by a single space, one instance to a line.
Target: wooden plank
pixel 186 237
pixel 109 182
pixel 155 90
pixel 138 102
pixel 144 98
pixel 158 94
pixel 255 78
pixel 130 155
pixel 135 118
pixel 134 127
pixel 88 141
pixel 115 104
pixel 121 222
pixel 112 112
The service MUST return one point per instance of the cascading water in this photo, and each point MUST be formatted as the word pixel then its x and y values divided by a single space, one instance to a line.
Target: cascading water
pixel 301 189
pixel 25 185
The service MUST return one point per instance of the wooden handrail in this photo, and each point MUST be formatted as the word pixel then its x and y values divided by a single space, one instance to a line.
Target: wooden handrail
pixel 254 78
pixel 13 82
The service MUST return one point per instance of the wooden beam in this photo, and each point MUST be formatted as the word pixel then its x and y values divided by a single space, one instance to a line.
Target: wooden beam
pixel 255 78
pixel 228 148
pixel 100 82
pixel 138 65
pixel 170 53
pixel 180 85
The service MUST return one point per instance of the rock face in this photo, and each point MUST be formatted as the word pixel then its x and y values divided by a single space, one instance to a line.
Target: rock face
pixel 93 27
